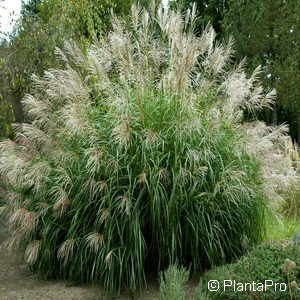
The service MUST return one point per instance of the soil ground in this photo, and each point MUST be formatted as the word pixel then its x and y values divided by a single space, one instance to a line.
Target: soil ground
pixel 17 282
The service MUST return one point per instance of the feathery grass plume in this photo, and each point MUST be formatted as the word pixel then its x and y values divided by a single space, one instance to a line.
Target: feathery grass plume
pixel 62 200
pixel 95 188
pixel 37 137
pixel 38 173
pixel 94 156
pixel 4 210
pixel 108 256
pixel 18 217
pixel 65 85
pixel 141 140
pixel 13 242
pixel 271 146
pixel 291 201
pixel 32 251
pixel 36 110
pixel 13 198
pixel 95 240
pixel 125 204
pixel 66 250
pixel 103 215
pixel 142 178
pixel 24 221
pixel 61 205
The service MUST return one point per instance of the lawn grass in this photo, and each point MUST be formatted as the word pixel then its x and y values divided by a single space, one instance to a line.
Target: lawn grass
pixel 281 228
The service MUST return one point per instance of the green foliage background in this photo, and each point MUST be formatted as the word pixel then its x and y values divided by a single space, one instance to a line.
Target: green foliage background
pixel 44 25
pixel 267 33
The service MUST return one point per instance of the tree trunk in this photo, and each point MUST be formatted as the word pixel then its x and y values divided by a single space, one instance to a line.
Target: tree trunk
pixel 274 115
pixel 298 135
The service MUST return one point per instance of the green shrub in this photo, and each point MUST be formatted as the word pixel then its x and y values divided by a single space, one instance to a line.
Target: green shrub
pixel 173 283
pixel 266 262
pixel 137 157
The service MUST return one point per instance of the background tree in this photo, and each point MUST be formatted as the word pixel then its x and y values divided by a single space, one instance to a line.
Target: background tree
pixel 267 33
pixel 44 25
pixel 208 11
pixel 30 7
pixel 6 112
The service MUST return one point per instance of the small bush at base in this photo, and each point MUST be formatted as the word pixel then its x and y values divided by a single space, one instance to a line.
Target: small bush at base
pixel 173 283
pixel 266 262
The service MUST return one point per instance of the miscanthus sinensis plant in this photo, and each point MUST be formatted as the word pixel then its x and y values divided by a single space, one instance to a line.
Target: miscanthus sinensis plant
pixel 137 156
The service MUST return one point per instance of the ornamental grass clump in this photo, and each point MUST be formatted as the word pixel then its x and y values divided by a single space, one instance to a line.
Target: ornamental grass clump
pixel 137 156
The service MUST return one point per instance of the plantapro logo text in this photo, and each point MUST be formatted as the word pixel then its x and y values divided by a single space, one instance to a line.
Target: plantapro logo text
pixel 233 285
